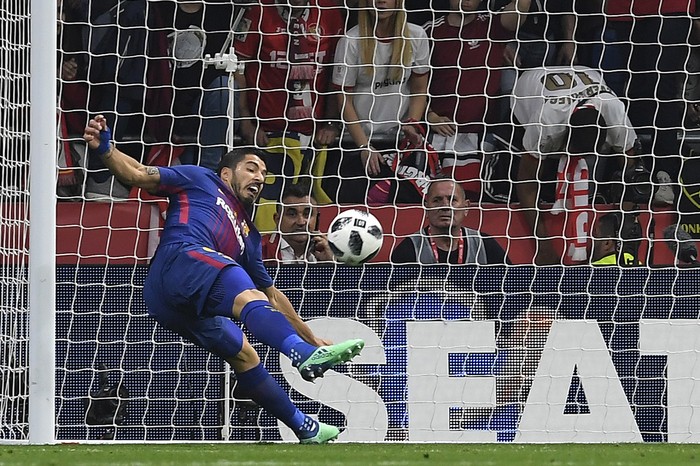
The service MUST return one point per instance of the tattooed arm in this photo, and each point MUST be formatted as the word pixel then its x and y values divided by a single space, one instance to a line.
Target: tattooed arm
pixel 128 170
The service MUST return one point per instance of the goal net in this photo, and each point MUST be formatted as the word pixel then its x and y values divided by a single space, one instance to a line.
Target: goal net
pixel 14 225
pixel 467 340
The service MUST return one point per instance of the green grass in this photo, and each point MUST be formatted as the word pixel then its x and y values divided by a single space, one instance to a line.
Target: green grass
pixel 351 454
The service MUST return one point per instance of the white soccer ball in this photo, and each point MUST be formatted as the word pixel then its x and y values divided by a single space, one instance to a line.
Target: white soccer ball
pixel 355 237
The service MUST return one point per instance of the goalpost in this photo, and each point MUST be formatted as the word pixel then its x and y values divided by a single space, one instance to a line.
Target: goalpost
pixel 28 330
pixel 42 225
pixel 505 353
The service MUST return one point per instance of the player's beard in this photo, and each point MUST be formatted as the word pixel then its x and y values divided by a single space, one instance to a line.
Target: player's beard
pixel 244 195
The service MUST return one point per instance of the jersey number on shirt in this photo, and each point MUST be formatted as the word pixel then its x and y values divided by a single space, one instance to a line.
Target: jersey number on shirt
pixel 560 81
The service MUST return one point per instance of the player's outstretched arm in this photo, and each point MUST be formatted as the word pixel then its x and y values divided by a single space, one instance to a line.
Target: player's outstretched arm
pixel 279 301
pixel 128 170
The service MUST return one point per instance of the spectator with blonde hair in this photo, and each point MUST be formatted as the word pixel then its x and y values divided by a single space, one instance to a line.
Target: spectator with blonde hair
pixel 382 65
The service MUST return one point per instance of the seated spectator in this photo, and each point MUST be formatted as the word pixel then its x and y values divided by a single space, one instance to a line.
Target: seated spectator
pixel 382 67
pixel 588 36
pixel 567 112
pixel 285 104
pixel 297 240
pixel 201 94
pixel 444 240
pixel 465 84
pixel 607 242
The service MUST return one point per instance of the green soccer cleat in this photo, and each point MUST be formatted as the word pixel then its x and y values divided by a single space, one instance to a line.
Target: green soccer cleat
pixel 326 357
pixel 326 433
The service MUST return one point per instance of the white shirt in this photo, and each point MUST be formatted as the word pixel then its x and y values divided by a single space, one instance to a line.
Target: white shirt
pixel 286 255
pixel 377 98
pixel 544 98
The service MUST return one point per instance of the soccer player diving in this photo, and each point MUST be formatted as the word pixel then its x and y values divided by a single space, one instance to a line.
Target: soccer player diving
pixel 208 270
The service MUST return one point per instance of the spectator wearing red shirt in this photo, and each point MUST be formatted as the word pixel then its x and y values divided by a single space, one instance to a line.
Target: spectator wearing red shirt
pixel 287 48
pixel 466 61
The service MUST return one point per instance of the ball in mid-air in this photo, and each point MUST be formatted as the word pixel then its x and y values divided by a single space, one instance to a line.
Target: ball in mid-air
pixel 355 236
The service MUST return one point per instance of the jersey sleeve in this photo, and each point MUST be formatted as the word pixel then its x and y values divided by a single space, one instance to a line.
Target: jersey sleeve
pixel 421 52
pixel 621 136
pixel 347 61
pixel 176 179
pixel 532 138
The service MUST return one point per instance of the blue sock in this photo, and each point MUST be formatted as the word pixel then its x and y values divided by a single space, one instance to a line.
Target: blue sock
pixel 271 327
pixel 265 391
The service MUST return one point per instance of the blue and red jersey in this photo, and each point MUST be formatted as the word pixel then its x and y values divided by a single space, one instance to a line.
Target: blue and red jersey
pixel 204 213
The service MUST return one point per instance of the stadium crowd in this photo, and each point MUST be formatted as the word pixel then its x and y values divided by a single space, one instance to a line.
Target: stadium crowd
pixel 556 104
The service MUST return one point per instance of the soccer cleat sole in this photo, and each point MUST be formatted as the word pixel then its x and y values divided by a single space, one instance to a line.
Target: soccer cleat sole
pixel 312 371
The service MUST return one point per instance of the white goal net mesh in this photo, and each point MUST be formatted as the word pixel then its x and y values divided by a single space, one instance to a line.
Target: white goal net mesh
pixel 486 346
pixel 14 225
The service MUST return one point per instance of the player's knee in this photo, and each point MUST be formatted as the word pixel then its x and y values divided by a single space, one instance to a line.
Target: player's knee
pixel 243 298
pixel 246 359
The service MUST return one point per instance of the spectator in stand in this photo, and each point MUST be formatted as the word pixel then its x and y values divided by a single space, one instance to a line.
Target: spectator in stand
pixel 465 83
pixel 644 60
pixel 588 37
pixel 382 66
pixel 444 240
pixel 566 112
pixel 297 240
pixel 417 11
pixel 287 47
pixel 607 242
pixel 201 93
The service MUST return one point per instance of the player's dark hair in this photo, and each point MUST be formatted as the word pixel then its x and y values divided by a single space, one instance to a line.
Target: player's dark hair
pixel 587 130
pixel 233 157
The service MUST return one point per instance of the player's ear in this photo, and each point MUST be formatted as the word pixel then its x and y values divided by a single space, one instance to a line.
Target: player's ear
pixel 226 174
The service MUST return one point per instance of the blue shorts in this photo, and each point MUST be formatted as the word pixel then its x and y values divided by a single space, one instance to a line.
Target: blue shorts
pixel 191 292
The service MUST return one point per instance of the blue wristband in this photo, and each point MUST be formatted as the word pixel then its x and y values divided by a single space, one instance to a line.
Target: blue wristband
pixel 105 143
